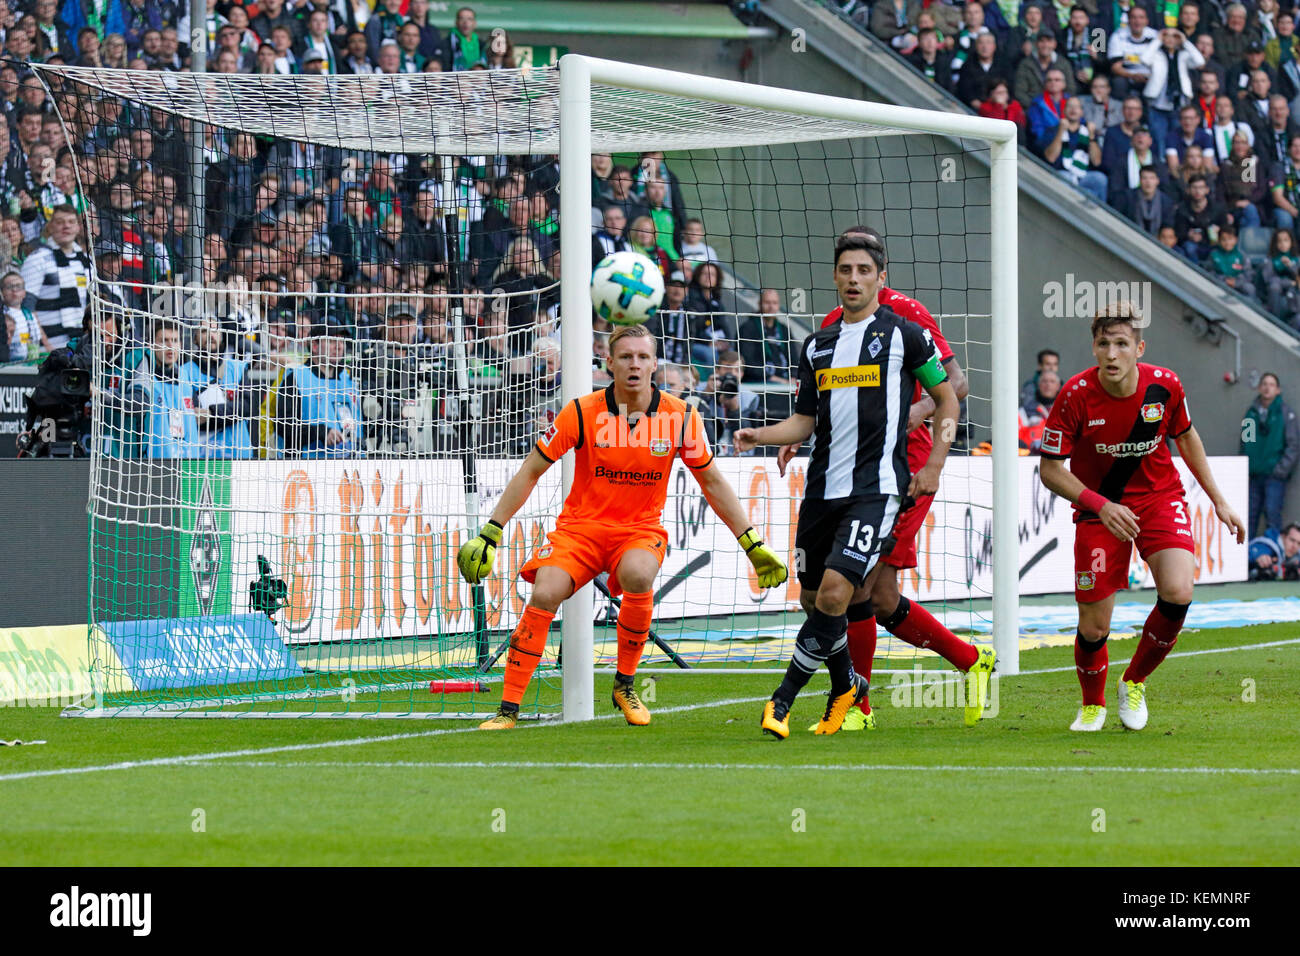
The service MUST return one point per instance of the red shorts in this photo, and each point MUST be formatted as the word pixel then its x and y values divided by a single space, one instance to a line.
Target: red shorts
pixel 1101 560
pixel 906 526
pixel 583 549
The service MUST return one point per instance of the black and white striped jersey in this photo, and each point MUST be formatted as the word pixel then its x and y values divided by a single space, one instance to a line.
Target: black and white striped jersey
pixel 60 283
pixel 857 381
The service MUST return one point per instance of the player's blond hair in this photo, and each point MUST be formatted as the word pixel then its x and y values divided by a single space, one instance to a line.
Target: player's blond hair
pixel 630 332
pixel 1122 312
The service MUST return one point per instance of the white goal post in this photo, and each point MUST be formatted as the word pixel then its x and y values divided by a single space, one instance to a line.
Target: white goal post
pixel 806 116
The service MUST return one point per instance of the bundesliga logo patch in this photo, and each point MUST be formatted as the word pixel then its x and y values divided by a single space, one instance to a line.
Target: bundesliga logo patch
pixel 550 434
pixel 1153 412
pixel 1084 580
pixel 660 447
pixel 1051 441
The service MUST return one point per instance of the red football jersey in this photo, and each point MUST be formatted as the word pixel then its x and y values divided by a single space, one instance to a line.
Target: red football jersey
pixel 1116 446
pixel 919 441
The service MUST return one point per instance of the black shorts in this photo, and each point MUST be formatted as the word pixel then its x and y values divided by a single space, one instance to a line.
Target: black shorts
pixel 847 534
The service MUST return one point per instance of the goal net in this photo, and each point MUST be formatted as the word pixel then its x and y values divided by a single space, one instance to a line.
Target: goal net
pixel 332 315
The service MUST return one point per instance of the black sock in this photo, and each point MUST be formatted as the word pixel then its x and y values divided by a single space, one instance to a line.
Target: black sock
pixel 820 635
pixel 621 678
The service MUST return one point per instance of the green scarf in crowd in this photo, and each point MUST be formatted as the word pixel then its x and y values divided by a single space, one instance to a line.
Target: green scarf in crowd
pixel 469 51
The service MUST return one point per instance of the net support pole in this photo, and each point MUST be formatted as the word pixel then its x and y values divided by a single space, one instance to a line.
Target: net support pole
pixel 1006 454
pixel 577 628
pixel 198 40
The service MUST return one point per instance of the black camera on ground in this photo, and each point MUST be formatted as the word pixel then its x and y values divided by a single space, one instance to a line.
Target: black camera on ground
pixel 58 419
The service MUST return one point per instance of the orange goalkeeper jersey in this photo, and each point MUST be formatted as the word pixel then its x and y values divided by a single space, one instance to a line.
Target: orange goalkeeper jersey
pixel 621 474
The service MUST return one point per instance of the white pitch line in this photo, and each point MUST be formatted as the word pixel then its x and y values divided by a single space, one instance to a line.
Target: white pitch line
pixel 388 738
pixel 816 767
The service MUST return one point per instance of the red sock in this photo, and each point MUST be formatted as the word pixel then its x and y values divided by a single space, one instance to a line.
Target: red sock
pixel 1091 665
pixel 862 644
pixel 526 646
pixel 1159 635
pixel 634 619
pixel 918 627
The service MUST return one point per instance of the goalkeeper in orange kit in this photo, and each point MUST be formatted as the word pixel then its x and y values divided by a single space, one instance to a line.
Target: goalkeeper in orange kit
pixel 624 438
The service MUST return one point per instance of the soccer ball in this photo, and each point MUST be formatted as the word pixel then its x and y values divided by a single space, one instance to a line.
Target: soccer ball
pixel 626 288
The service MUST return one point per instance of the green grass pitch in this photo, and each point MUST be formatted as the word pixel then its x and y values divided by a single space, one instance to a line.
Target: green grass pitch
pixel 700 785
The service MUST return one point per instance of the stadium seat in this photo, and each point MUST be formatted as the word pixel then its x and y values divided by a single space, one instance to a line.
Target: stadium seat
pixel 1253 241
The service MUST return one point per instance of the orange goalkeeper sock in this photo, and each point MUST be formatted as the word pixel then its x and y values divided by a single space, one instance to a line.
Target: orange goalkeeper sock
pixel 634 619
pixel 526 646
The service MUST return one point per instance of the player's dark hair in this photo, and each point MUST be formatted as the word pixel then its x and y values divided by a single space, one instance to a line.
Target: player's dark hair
pixel 863 242
pixel 1043 353
pixel 1120 313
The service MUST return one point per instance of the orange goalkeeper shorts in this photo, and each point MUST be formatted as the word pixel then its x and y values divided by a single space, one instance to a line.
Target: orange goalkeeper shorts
pixel 584 549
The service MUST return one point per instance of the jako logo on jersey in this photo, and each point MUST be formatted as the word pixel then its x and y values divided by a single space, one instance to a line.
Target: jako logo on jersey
pixel 1051 441
pixel 1129 449
pixel 660 447
pixel 1096 421
pixel 603 472
pixel 1084 580
pixel 857 376
pixel 1153 412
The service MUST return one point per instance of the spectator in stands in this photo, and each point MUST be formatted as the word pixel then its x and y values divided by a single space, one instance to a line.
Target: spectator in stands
pixel 1047 360
pixel 356 60
pixel 1149 206
pixel 609 238
pixel 26 338
pixel 1280 271
pixel 1228 264
pixel 57 275
pixel 674 379
pixel 621 195
pixel 465 51
pixel 1256 100
pixel 353 237
pixel 1171 65
pixel 1284 183
pixel 1189 133
pixel 1101 110
pixel 1034 413
pixel 316 39
pixel 1282 52
pixel 383 25
pixel 982 66
pixel 894 20
pixel 1273 140
pixel 1131 52
pixel 318 409
pixel 667 227
pixel 1208 91
pixel 643 238
pixel 1078 48
pixel 1125 173
pixel 671 325
pixel 519 281
pixel 602 166
pixel 1241 75
pixel 431 43
pixel 998 104
pixel 1242 184
pixel 1025 34
pixel 1225 129
pixel 1233 37
pixel 729 406
pixel 963 49
pixel 934 64
pixel 1274 561
pixel 162 389
pixel 712 331
pixel 1168 237
pixel 1047 110
pixel 1031 75
pixel 1189 21
pixel 765 343
pixel 694 247
pixel 1197 220
pixel 1270 439
pixel 1073 151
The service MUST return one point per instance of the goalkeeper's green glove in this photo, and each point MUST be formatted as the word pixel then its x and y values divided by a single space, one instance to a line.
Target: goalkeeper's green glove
pixel 771 569
pixel 475 556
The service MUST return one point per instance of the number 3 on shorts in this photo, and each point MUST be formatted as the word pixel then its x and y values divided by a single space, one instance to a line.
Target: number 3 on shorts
pixel 1179 507
pixel 861 542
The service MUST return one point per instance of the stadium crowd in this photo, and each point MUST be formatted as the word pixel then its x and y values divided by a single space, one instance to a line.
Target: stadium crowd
pixel 319 244
pixel 1182 116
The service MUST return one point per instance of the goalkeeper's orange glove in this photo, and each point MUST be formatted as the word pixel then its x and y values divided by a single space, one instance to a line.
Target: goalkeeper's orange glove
pixel 475 556
pixel 771 569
